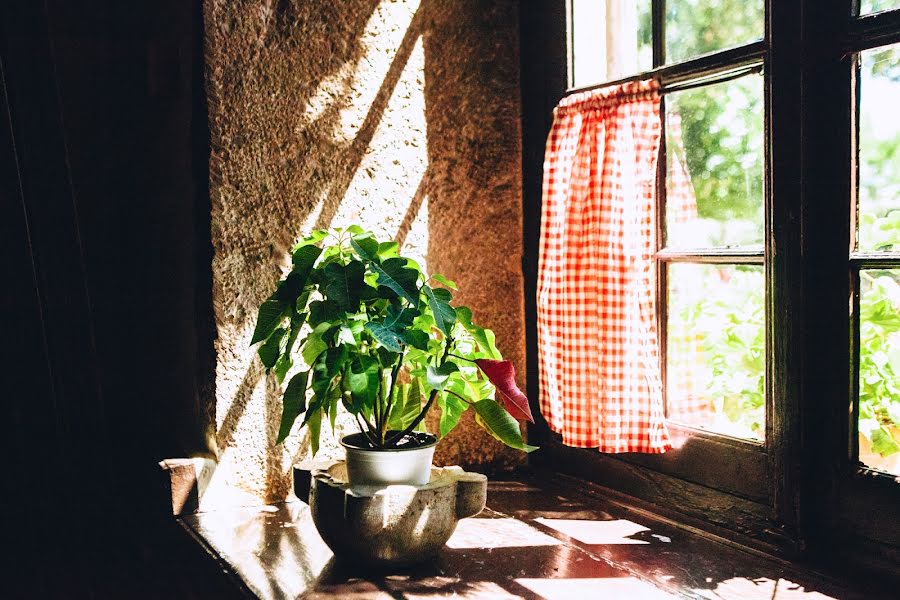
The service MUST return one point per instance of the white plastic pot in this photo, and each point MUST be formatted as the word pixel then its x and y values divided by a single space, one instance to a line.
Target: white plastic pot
pixel 409 465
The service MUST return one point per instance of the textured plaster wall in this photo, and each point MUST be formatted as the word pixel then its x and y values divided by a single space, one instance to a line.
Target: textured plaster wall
pixel 400 115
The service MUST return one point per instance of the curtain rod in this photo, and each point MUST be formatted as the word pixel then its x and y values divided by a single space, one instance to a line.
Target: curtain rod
pixel 674 86
pixel 712 79
pixel 706 69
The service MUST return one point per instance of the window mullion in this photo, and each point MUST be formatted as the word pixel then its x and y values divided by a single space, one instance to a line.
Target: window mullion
pixel 713 256
pixel 659 33
pixel 869 31
pixel 662 284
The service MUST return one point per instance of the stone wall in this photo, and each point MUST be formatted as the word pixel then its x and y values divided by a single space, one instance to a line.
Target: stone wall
pixel 400 115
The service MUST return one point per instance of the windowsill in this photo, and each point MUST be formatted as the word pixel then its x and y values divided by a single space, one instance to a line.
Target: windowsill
pixel 538 538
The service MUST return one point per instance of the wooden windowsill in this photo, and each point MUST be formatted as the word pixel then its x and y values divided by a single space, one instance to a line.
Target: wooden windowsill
pixel 540 537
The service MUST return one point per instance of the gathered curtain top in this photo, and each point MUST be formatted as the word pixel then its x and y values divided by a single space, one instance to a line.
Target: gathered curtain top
pixel 609 96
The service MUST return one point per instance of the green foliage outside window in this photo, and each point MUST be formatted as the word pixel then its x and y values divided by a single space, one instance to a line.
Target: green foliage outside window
pixel 879 368
pixel 872 6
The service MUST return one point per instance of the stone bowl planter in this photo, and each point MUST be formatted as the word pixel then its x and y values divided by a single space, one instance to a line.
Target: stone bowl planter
pixel 388 526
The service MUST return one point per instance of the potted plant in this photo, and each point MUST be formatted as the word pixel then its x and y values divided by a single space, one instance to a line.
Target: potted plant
pixel 384 340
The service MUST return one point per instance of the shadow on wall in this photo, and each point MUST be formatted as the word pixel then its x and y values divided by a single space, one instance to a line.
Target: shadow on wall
pixel 399 115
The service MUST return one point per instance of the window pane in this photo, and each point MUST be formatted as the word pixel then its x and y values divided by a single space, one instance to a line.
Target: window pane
pixel 871 6
pixel 610 40
pixel 879 150
pixel 715 352
pixel 714 161
pixel 879 369
pixel 695 27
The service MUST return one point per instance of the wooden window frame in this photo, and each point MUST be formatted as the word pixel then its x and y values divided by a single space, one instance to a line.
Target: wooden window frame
pixel 814 490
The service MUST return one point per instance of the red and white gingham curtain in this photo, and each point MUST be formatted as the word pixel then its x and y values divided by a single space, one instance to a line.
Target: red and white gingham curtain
pixel 597 342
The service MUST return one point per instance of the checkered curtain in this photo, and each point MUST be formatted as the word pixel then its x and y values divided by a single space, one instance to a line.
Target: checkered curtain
pixel 597 342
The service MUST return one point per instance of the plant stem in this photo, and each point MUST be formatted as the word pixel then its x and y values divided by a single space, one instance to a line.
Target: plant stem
pixel 461 357
pixel 466 400
pixel 365 422
pixel 376 409
pixel 364 428
pixel 424 411
pixel 390 398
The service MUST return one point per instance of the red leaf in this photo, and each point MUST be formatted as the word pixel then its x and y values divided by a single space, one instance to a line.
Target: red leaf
pixel 503 375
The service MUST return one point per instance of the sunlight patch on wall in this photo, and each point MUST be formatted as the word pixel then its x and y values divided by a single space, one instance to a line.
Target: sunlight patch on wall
pixel 395 160
pixel 415 243
pixel 382 39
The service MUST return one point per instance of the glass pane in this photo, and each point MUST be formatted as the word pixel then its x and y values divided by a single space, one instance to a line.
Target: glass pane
pixel 695 27
pixel 610 39
pixel 879 150
pixel 714 161
pixel 871 6
pixel 879 369
pixel 715 352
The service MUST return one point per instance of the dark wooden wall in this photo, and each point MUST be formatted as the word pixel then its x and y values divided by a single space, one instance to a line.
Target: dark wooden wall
pixel 106 310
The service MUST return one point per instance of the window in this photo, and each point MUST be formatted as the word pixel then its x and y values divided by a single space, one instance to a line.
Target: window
pixel 872 6
pixel 709 56
pixel 781 358
pixel 711 257
pixel 876 246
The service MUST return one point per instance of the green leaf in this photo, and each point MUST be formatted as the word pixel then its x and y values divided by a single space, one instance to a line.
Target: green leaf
pixel 416 338
pixel 391 332
pixel 314 238
pixel 282 366
pixel 285 361
pixel 314 424
pixel 732 408
pixel 483 337
pixel 314 344
pixel 396 276
pixel 270 315
pixel 344 284
pixel 320 387
pixel 399 398
pixel 444 281
pixel 883 443
pixel 407 405
pixel 362 380
pixel 290 288
pixel 386 336
pixel 444 314
pixel 388 250
pixel 442 294
pixel 501 425
pixel 335 359
pixel 323 310
pixel 414 403
pixel 300 305
pixel 452 409
pixel 345 336
pixel 271 350
pixel 304 258
pixel 366 246
pixel 437 376
pixel 294 401
pixel 333 399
